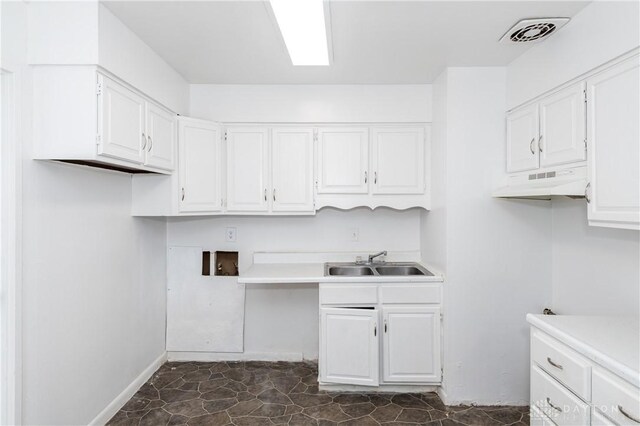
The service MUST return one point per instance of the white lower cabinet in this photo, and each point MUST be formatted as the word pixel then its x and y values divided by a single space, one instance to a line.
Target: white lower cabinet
pixel 349 344
pixel 570 389
pixel 411 349
pixel 363 338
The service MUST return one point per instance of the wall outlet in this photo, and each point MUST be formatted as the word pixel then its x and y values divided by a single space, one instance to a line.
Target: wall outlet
pixel 354 234
pixel 230 235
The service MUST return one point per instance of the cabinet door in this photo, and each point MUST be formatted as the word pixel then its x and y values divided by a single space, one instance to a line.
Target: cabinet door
pixel 292 169
pixel 161 137
pixel 349 346
pixel 562 127
pixel 247 165
pixel 522 139
pixel 121 122
pixel 199 145
pixel 398 160
pixel 343 156
pixel 411 344
pixel 614 146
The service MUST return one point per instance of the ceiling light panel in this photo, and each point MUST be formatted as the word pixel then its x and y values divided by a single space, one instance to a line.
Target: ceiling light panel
pixel 303 29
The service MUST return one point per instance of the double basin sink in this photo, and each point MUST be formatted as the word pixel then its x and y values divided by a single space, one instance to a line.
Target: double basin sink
pixel 396 269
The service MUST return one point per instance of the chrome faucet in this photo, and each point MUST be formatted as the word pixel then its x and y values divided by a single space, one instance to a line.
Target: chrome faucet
pixel 373 256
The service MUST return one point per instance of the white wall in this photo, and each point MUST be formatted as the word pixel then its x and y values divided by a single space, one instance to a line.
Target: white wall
pixel 311 103
pixel 433 223
pixel 127 56
pixel 600 32
pixel 269 309
pixel 498 257
pixel 94 278
pixel 80 32
pixel 284 318
pixel 595 270
pixel 94 292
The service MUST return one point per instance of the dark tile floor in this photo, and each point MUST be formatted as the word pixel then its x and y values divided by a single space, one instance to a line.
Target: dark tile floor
pixel 284 393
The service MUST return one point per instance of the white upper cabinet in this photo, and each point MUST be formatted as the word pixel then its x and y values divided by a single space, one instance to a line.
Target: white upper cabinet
pixel 161 137
pixel 199 144
pixel 247 169
pixel 614 146
pixel 562 127
pixel 411 344
pixel 522 139
pixel 343 160
pixel 292 169
pixel 83 114
pixel 349 345
pixel 121 122
pixel 398 160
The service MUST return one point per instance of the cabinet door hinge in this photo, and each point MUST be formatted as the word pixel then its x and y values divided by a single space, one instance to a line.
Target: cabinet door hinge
pixel 99 88
pixel 98 139
pixel 585 144
pixel 225 136
pixel 315 135
pixel 584 93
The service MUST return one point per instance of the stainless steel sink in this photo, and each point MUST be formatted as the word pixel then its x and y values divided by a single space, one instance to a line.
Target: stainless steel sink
pixel 401 270
pixel 349 270
pixel 375 269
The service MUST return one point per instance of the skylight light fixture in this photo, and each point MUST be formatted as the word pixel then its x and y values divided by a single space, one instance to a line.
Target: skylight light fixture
pixel 303 29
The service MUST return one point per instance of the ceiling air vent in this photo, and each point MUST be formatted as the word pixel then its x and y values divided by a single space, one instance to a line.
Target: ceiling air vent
pixel 529 30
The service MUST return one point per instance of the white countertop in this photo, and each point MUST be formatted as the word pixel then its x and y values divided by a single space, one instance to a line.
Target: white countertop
pixel 299 273
pixel 611 341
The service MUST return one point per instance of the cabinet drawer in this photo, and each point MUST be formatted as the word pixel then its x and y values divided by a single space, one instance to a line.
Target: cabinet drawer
pixel 410 293
pixel 597 419
pixel 340 294
pixel 556 401
pixel 537 418
pixel 615 398
pixel 561 362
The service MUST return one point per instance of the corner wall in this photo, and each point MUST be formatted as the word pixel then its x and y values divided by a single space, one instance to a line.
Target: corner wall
pixel 94 278
pixel 497 255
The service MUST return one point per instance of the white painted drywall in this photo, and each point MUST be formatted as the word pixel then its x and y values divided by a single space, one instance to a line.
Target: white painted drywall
pixel 598 33
pixel 77 32
pixel 498 257
pixel 94 291
pixel 283 319
pixel 63 32
pixel 94 280
pixel 311 103
pixel 123 53
pixel 433 223
pixel 595 270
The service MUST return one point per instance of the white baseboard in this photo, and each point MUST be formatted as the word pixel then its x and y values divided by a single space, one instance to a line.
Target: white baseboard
pixel 115 405
pixel 331 387
pixel 234 356
pixel 443 395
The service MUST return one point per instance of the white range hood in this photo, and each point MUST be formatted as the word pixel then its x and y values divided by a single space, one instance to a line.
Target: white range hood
pixel 570 182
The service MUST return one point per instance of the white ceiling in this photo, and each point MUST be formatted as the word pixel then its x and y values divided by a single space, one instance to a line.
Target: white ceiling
pixel 373 42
